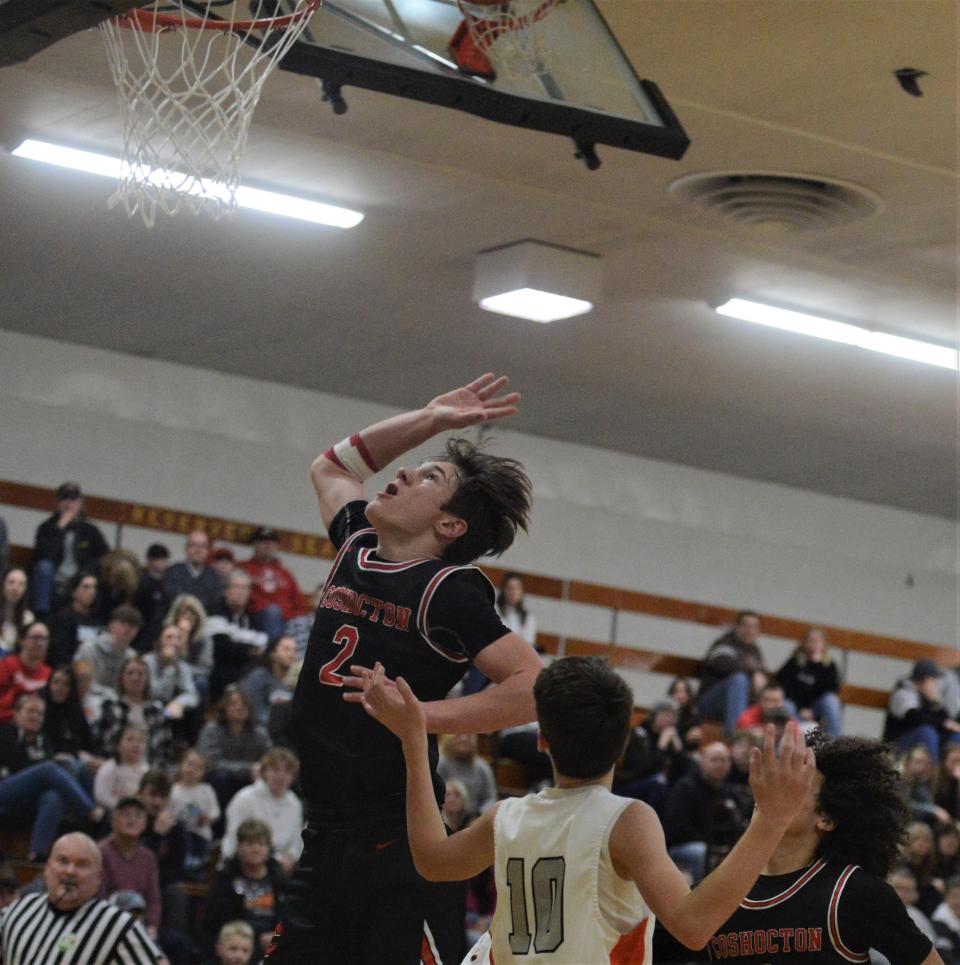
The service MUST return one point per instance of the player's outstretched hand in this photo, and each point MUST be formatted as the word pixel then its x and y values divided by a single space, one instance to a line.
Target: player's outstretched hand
pixel 780 786
pixel 477 402
pixel 392 703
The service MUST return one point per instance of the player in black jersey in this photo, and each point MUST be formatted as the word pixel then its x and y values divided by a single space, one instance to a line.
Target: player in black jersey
pixel 822 897
pixel 402 592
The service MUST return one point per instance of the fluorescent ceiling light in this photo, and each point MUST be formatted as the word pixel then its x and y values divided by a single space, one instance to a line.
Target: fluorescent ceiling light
pixel 804 324
pixel 286 205
pixel 535 305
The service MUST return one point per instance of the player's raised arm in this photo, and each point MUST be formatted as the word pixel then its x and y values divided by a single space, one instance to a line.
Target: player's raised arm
pixel 437 856
pixel 638 850
pixel 339 473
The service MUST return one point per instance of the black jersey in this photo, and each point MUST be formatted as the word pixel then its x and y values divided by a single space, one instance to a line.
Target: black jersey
pixel 423 620
pixel 827 912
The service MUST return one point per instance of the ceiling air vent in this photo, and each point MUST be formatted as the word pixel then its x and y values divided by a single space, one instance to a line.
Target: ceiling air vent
pixel 772 203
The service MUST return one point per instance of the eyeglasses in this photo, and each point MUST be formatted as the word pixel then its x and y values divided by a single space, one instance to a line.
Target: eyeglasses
pixel 38 636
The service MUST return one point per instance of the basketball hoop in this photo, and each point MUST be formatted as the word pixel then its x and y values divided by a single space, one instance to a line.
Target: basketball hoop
pixel 502 37
pixel 188 86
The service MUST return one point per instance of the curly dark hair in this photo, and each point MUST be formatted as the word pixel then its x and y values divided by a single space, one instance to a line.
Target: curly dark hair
pixel 860 795
pixel 492 497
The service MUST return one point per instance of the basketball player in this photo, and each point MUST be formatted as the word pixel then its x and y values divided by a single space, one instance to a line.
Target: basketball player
pixel 822 896
pixel 582 874
pixel 402 591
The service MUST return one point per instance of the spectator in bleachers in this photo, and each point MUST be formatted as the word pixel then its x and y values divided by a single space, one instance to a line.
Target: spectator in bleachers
pixel 948 781
pixel 4 545
pixel 458 810
pixel 91 694
pixel 119 776
pixel 112 648
pixel 703 817
pixel 9 884
pixel 249 887
pixel 919 854
pixel 946 922
pixel 232 744
pixel 119 581
pixel 300 627
pixel 681 692
pixel 727 670
pixel 275 594
pixel 128 864
pixel 948 853
pixel 915 711
pixel 26 671
pixel 223 562
pixel 192 576
pixel 151 597
pixel 770 699
pixel 171 681
pixel 811 681
pixel 65 543
pixel 269 799
pixel 195 804
pixel 65 726
pixel 14 613
pixel 460 761
pixel 32 785
pixel 918 786
pixel 235 640
pixel 76 622
pixel 268 683
pixel 235 944
pixel 904 883
pixel 134 705
pixel 188 613
pixel 166 837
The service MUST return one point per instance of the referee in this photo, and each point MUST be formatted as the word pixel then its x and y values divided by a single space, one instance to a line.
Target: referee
pixel 69 925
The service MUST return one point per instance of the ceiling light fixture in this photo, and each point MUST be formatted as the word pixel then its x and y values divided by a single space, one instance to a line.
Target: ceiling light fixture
pixel 257 199
pixel 843 332
pixel 537 281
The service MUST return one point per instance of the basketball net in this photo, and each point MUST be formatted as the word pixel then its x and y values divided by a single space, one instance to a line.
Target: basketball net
pixel 508 34
pixel 188 86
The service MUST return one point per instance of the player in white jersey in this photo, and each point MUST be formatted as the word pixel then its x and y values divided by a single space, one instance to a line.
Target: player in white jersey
pixel 581 874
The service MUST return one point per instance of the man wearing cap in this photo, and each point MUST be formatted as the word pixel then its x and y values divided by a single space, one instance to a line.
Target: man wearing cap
pixel 193 576
pixel 67 923
pixel 65 544
pixel 275 596
pixel 151 597
pixel 916 713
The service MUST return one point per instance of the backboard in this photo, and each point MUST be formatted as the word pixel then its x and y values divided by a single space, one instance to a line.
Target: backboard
pixel 584 87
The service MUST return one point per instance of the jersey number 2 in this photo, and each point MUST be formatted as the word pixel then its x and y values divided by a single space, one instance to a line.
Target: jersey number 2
pixel 346 637
pixel 546 882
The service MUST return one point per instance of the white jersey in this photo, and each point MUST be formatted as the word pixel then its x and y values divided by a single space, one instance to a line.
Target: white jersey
pixel 559 900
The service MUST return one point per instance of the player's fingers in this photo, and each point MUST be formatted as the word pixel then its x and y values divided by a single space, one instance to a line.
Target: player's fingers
pixel 359 671
pixel 756 763
pixel 490 414
pixel 408 695
pixel 492 388
pixel 769 748
pixel 356 682
pixel 353 696
pixel 477 384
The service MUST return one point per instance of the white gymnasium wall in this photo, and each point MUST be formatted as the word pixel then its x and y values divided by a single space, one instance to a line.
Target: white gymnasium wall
pixel 170 435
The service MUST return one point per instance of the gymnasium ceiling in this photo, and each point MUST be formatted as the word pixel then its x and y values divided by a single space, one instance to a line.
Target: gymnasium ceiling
pixel 384 313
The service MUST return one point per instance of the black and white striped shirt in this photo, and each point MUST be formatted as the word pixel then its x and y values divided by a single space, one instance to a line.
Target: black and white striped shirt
pixel 33 932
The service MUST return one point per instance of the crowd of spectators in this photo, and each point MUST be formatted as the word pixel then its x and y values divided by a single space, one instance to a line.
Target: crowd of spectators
pixel 147 703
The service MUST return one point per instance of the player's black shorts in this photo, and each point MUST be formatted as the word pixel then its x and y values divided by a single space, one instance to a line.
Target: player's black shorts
pixel 356 899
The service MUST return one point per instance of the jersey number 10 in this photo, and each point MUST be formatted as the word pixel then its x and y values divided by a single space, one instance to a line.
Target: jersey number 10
pixel 546 883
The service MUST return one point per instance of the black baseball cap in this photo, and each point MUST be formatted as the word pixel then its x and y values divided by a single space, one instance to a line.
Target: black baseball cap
pixel 925 668
pixel 264 533
pixel 69 490
pixel 130 802
pixel 157 551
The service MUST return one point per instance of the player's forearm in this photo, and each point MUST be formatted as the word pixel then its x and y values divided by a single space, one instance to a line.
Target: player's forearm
pixel 719 895
pixel 507 704
pixel 425 829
